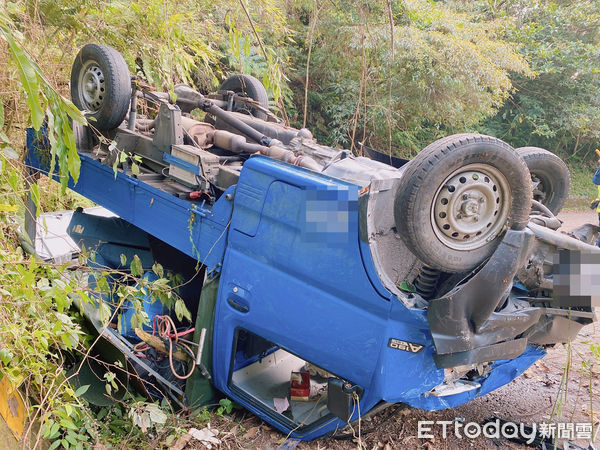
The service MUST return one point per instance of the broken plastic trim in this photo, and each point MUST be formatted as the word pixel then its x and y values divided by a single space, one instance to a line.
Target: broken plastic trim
pixel 464 325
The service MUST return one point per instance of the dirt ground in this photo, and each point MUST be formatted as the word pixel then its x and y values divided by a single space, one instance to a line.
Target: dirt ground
pixel 531 398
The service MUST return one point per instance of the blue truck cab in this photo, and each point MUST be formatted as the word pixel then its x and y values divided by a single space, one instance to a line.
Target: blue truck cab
pixel 316 297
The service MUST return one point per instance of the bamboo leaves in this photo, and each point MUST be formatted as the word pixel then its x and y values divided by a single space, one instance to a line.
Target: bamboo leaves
pixel 27 75
pixel 44 103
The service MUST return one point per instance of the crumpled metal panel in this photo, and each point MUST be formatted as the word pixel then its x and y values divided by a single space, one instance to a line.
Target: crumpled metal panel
pixel 502 372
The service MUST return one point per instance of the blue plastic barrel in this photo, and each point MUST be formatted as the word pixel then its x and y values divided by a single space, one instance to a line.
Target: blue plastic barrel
pixel 152 308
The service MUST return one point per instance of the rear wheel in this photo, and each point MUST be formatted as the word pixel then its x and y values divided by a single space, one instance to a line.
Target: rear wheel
pixel 247 86
pixel 550 177
pixel 457 197
pixel 101 85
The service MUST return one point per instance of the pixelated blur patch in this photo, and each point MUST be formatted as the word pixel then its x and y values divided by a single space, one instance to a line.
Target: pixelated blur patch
pixel 576 276
pixel 330 215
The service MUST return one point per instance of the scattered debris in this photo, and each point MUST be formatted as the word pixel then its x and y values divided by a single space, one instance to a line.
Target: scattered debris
pixel 252 432
pixel 289 444
pixel 316 371
pixel 144 415
pixel 281 404
pixel 300 386
pixel 181 442
pixel 207 436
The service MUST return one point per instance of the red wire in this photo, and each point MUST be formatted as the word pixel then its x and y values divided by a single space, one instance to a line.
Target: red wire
pixel 162 326
pixel 171 335
pixel 182 333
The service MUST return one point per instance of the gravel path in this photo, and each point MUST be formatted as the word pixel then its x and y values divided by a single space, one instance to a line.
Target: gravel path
pixel 574 219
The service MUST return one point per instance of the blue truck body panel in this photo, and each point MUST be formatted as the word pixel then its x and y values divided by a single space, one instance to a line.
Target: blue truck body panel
pixel 295 272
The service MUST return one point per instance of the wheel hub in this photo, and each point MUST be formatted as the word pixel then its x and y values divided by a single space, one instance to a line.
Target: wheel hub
pixel 93 86
pixel 539 189
pixel 471 207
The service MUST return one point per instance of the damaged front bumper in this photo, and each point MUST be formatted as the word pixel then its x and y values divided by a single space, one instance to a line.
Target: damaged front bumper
pixel 485 319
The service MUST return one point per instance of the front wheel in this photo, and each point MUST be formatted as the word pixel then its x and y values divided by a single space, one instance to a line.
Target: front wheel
pixel 458 196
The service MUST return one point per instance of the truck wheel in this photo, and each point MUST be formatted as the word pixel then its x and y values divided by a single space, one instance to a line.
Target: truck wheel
pixel 549 175
pixel 456 198
pixel 247 86
pixel 101 85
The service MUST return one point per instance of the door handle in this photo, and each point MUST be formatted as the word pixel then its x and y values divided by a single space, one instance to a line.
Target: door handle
pixel 238 304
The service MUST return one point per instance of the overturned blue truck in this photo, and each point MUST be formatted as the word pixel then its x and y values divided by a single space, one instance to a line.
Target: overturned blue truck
pixel 322 285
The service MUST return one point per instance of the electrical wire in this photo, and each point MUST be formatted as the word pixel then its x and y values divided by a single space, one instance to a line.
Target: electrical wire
pixel 164 327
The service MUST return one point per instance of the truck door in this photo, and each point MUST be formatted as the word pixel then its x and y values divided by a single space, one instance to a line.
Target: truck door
pixel 294 296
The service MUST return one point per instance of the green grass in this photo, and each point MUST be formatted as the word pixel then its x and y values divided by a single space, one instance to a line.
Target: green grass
pixel 583 191
pixel 51 198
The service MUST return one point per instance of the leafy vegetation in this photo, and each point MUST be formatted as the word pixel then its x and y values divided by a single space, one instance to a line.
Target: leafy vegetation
pixel 436 70
pixel 558 108
pixel 394 75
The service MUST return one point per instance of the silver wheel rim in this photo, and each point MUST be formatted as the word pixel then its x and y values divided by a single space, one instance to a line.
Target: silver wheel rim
pixel 471 207
pixel 92 86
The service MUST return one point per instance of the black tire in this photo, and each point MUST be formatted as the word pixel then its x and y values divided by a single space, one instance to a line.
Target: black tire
pixel 550 177
pixel 456 198
pixel 101 85
pixel 247 86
